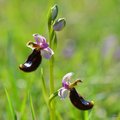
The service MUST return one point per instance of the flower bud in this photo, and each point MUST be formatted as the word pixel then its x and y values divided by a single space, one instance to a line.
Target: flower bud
pixel 59 24
pixel 54 12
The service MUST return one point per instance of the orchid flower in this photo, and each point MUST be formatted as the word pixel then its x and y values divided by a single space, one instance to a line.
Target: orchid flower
pixel 40 48
pixel 66 85
pixel 76 99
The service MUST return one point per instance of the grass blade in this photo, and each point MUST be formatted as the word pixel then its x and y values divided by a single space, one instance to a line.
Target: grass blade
pixel 22 110
pixel 44 89
pixel 14 116
pixel 32 108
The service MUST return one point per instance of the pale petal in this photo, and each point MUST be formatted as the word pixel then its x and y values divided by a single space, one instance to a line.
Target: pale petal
pixel 63 93
pixel 66 80
pixel 47 53
pixel 39 39
pixel 43 45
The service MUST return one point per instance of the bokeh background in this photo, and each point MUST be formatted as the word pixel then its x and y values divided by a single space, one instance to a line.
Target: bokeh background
pixel 89 46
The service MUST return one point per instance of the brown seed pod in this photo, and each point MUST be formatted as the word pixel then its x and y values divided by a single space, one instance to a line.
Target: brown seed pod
pixel 78 101
pixel 33 61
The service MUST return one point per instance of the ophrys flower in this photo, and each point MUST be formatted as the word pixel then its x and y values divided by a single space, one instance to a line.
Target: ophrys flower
pixel 39 48
pixel 76 99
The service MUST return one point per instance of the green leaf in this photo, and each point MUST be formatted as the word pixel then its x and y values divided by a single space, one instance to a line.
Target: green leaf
pixel 44 88
pixel 14 116
pixel 23 105
pixel 32 108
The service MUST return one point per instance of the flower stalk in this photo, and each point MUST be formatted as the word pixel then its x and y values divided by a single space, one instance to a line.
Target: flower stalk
pixel 52 96
pixel 85 115
pixel 51 77
pixel 51 17
pixel 44 88
pixel 51 70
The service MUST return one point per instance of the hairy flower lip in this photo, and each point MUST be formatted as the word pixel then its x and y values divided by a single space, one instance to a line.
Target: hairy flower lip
pixel 79 102
pixel 32 62
pixel 76 99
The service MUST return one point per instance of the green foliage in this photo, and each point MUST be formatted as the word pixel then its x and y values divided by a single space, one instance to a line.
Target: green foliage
pixel 13 114
pixel 32 108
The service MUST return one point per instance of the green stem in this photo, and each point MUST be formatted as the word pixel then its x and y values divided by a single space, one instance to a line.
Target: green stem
pixel 52 33
pixel 51 2
pixel 32 108
pixel 51 105
pixel 52 96
pixel 13 114
pixel 51 68
pixel 52 109
pixel 44 88
pixel 52 75
pixel 85 115
pixel 51 65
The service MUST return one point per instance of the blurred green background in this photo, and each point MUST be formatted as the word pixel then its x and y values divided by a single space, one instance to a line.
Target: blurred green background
pixel 89 46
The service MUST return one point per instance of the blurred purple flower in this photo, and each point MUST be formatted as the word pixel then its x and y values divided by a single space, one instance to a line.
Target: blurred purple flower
pixel 117 53
pixel 109 46
pixel 68 51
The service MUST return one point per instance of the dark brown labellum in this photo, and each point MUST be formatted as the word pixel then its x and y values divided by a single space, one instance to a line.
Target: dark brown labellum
pixel 78 101
pixel 33 61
